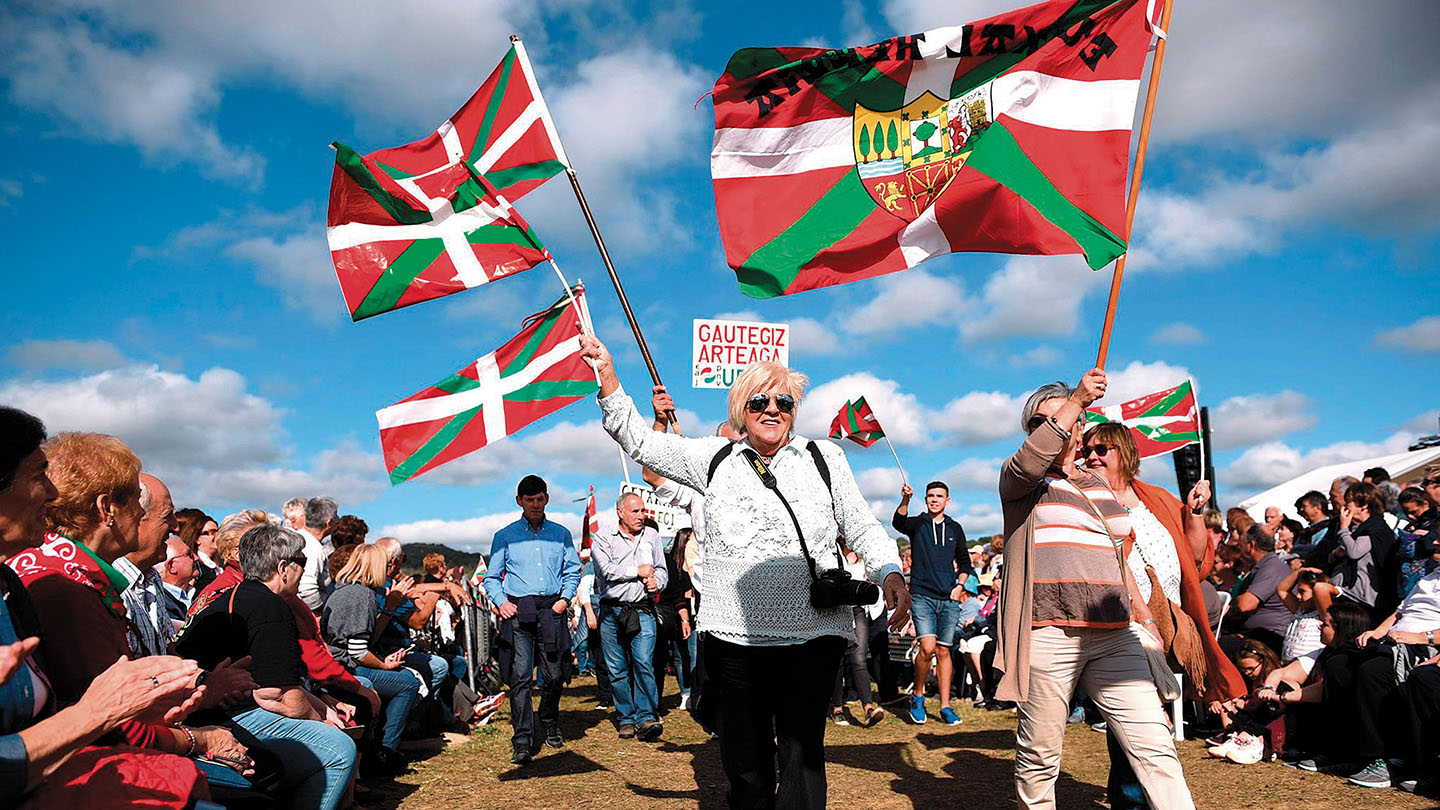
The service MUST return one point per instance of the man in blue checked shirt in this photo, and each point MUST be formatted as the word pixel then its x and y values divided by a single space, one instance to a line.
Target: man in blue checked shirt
pixel 534 570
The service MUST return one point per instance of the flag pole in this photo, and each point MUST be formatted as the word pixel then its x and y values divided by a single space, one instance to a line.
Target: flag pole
pixel 579 312
pixel 903 478
pixel 594 229
pixel 1119 273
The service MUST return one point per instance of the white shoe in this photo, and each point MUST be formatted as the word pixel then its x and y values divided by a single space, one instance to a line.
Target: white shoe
pixel 1247 749
pixel 684 702
pixel 1223 748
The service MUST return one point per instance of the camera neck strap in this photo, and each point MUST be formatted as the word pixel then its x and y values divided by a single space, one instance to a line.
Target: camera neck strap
pixel 762 470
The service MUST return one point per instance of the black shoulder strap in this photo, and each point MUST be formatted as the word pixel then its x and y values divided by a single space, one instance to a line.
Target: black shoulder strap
pixel 820 464
pixel 719 458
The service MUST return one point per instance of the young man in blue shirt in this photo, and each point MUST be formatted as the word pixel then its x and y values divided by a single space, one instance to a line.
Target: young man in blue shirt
pixel 534 570
pixel 939 566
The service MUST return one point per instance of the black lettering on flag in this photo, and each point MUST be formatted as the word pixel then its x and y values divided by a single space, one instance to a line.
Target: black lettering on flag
pixel 996 35
pixel 1085 27
pixel 1100 48
pixel 1033 38
pixel 965 31
pixel 909 47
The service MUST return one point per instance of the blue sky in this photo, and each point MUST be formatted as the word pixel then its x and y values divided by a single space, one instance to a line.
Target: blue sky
pixel 165 172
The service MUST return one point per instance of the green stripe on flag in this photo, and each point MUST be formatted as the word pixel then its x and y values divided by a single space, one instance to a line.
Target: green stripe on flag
pixel 1000 158
pixel 1179 394
pixel 398 174
pixel 503 233
pixel 527 352
pixel 504 178
pixel 351 163
pixel 482 139
pixel 398 277
pixel 549 389
pixel 408 468
pixel 773 266
pixel 456 383
pixel 748 62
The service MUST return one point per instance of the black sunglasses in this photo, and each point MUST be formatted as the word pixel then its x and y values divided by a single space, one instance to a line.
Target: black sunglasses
pixel 1035 421
pixel 1098 449
pixel 299 560
pixel 757 403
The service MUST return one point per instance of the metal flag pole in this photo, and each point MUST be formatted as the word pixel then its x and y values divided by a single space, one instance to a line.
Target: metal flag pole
pixel 1119 272
pixel 594 229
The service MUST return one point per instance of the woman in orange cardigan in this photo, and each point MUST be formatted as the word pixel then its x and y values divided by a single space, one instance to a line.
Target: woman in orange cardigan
pixel 1172 549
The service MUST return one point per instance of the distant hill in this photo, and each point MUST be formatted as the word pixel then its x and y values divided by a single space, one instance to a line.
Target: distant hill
pixel 415 555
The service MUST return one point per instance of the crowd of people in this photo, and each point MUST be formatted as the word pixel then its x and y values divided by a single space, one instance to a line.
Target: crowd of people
pixel 159 654
pixel 160 657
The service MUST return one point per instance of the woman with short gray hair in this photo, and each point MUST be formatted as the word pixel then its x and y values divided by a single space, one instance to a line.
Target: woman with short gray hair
pixel 1066 607
pixel 318 759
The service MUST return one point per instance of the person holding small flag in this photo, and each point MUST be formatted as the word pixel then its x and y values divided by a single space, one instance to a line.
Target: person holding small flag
pixel 939 569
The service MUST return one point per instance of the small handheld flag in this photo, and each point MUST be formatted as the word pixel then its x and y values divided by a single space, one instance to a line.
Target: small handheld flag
pixel 857 422
pixel 1161 423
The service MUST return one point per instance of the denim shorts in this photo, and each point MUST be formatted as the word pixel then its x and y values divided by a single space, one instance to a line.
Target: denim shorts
pixel 935 617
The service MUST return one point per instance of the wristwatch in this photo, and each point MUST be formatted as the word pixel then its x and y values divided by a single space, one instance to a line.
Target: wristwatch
pixel 1430 637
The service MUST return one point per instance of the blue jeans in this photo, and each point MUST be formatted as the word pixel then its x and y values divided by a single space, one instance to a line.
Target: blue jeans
pixel 936 617
pixel 318 759
pixel 522 714
pixel 400 690
pixel 433 667
pixel 582 650
pixel 632 671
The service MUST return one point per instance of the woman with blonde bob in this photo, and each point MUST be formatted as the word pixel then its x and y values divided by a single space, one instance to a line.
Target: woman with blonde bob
pixel 350 623
pixel 775 503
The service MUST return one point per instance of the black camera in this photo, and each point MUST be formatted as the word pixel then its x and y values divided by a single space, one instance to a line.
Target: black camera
pixel 836 587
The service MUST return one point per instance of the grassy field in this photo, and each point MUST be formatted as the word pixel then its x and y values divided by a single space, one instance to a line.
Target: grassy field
pixel 890 765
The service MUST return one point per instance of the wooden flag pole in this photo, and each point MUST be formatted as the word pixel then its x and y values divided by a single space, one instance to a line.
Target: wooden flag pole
pixel 1134 195
pixel 903 478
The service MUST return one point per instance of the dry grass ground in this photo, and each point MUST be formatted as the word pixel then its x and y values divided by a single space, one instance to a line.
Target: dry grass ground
pixel 890 765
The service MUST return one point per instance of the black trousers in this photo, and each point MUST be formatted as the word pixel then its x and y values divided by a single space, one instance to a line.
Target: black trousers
pixel 603 693
pixel 772 701
pixel 528 654
pixel 1422 697
pixel 1360 686
pixel 854 664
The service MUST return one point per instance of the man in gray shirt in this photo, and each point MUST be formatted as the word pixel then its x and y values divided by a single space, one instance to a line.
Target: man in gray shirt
pixel 630 563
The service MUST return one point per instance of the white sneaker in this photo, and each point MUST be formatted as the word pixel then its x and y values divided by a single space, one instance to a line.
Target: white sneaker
pixel 1247 749
pixel 684 702
pixel 1223 748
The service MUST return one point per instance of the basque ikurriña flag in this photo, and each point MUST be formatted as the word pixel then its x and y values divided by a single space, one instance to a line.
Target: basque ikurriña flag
pixel 591 530
pixel 857 423
pixel 1161 423
pixel 433 217
pixel 1006 135
pixel 536 373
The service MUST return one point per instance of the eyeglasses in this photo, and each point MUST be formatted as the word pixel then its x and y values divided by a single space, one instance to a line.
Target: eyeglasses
pixel 298 560
pixel 757 403
pixel 1100 450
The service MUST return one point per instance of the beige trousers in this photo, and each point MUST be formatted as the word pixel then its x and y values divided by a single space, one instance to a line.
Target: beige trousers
pixel 1112 667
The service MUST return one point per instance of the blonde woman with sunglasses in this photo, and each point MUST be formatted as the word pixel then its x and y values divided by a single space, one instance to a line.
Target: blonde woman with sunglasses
pixel 774 505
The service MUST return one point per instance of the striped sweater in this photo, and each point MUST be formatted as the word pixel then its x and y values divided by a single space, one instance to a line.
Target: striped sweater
pixel 1077 580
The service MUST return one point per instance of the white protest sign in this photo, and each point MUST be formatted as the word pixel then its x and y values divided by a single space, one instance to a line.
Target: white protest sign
pixel 722 349
pixel 668 518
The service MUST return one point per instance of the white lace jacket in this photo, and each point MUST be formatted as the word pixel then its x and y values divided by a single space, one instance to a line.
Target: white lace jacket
pixel 756 583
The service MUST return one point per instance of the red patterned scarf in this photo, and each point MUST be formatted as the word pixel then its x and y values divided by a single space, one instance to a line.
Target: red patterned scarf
pixel 61 556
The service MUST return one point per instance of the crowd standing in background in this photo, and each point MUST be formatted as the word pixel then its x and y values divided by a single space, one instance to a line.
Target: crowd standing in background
pixel 284 658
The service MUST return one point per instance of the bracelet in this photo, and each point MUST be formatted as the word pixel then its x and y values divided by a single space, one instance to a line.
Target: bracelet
pixel 189 735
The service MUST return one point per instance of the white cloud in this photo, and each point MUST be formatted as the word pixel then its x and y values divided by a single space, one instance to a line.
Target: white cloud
pixel 470 534
pixel 973 474
pixel 1245 420
pixel 1037 356
pixel 900 414
pixel 912 16
pixel 1422 336
pixel 1424 424
pixel 1179 334
pixel 855 24
pixel 582 448
pixel 81 355
pixel 103 91
pixel 1139 379
pixel 1271 463
pixel 979 417
pixel 808 336
pixel 10 191
pixel 297 265
pixel 214 443
pixel 906 301
pixel 1032 295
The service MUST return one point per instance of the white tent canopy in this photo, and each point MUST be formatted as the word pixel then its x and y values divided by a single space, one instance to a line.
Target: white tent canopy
pixel 1399 465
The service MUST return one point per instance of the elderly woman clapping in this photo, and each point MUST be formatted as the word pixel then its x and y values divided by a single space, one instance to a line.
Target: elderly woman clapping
pixel 1067 604
pixel 774 506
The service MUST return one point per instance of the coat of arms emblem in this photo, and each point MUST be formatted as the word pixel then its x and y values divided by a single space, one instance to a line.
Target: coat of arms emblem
pixel 907 157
